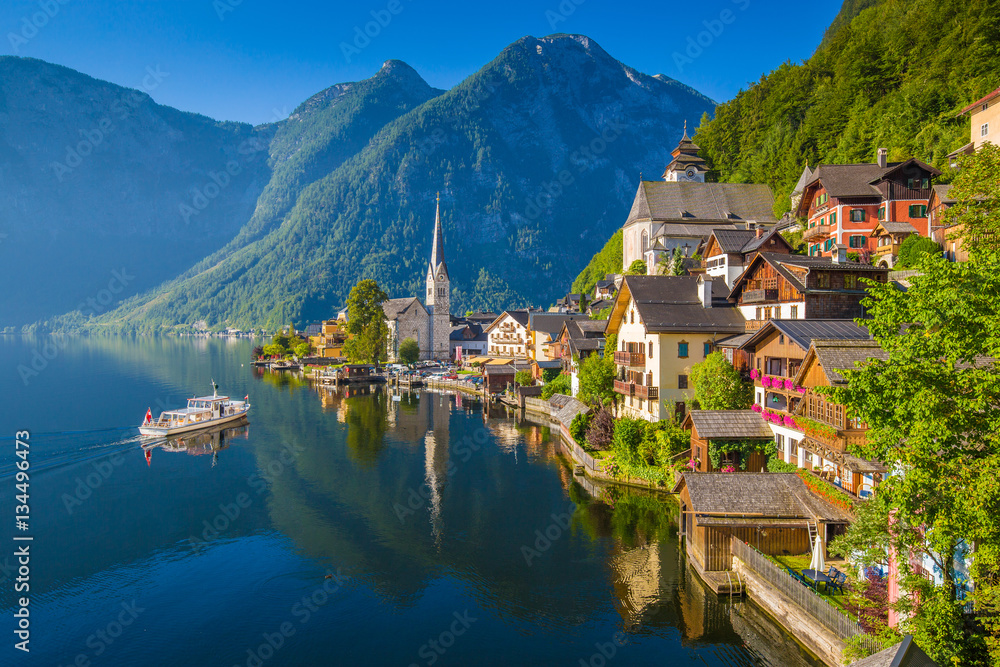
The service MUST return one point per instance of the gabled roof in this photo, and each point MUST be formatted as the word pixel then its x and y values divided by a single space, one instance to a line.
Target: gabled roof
pixel 760 495
pixel 893 168
pixel 784 265
pixel 893 228
pixel 904 654
pixel 803 332
pixel 519 316
pixel 393 308
pixel 728 425
pixel 551 323
pixel 710 202
pixel 849 180
pixel 943 193
pixel 731 241
pixel 983 100
pixel 765 239
pixel 671 304
pixel 805 178
pixel 834 356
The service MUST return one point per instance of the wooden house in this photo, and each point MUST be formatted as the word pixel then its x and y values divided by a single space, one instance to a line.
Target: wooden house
pixel 358 371
pixel 776 513
pixel 888 237
pixel 498 377
pixel 714 431
pixel 944 234
pixel 795 287
pixel 728 251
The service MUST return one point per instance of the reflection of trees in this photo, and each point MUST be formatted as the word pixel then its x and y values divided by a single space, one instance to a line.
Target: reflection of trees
pixel 633 517
pixel 367 424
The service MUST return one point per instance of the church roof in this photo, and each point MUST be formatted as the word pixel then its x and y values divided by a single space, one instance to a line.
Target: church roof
pixel 393 308
pixel 689 202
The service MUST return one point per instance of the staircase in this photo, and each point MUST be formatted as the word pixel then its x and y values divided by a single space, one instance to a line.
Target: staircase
pixel 813 535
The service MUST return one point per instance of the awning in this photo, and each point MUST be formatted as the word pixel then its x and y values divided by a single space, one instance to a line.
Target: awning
pixel 750 522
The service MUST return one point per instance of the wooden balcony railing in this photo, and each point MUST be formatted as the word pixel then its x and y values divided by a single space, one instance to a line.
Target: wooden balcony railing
pixel 647 393
pixel 630 358
pixel 624 388
pixel 818 230
pixel 758 295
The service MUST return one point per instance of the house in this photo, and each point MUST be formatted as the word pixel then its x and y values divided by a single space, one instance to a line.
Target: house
pixel 774 512
pixel 944 234
pixel 843 202
pixel 713 431
pixel 665 325
pixel 329 341
pixel 507 335
pixel 887 238
pixel 543 329
pixel 811 430
pixel 570 303
pixel 728 251
pixel 682 210
pixel 358 371
pixel 607 288
pixel 577 340
pixel 498 377
pixel 779 286
pixel 984 121
pixel 470 338
pixel 904 654
pixel 407 318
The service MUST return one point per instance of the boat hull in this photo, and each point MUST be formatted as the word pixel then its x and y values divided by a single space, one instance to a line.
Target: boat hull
pixel 158 431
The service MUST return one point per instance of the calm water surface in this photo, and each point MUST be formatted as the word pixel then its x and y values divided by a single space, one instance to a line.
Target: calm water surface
pixel 335 529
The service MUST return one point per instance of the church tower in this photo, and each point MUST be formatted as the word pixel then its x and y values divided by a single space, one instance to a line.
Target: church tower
pixel 439 294
pixel 687 165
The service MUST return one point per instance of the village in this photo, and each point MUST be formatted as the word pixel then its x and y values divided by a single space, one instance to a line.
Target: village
pixel 708 367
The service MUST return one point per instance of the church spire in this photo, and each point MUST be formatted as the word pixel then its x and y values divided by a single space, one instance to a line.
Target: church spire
pixel 685 137
pixel 437 247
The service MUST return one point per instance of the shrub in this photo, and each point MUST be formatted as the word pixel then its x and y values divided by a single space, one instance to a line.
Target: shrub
pixel 578 427
pixel 627 441
pixel 914 249
pixel 561 385
pixel 602 429
pixel 550 374
pixel 524 378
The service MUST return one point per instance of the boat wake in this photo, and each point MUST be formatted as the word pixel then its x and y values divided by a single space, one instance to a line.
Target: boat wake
pixel 51 451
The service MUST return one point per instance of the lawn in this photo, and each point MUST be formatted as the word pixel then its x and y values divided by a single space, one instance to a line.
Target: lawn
pixel 801 562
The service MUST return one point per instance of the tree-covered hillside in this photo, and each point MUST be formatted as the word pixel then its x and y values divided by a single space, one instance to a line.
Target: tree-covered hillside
pixel 894 75
pixel 608 260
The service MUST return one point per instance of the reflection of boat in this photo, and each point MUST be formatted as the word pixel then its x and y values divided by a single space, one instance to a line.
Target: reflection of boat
pixel 201 413
pixel 209 441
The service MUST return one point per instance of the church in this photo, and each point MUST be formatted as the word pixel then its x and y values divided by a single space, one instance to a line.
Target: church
pixel 430 324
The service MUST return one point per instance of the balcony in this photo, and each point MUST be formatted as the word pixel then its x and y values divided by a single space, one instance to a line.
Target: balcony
pixel 758 295
pixel 754 325
pixel 818 231
pixel 630 358
pixel 647 393
pixel 624 388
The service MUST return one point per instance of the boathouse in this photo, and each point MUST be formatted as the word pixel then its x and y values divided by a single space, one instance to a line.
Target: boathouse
pixel 773 512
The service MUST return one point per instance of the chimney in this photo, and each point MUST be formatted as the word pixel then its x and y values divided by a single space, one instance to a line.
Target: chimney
pixel 760 232
pixel 705 290
pixel 840 254
pixel 883 157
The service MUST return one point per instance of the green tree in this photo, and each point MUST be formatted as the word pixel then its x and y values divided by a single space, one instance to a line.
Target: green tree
pixel 636 268
pixel 409 351
pixel 718 386
pixel 366 321
pixel 597 379
pixel 913 249
pixel 560 385
pixel 274 350
pixel 550 374
pixel 302 350
pixel 524 378
pixel 933 410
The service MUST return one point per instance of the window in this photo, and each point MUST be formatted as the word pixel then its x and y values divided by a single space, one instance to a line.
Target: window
pixel 984 130
pixel 794 312
pixel 833 218
pixel 645 241
pixel 632 317
pixel 857 215
pixel 708 349
pixel 823 280
pixel 881 212
pixel 781 339
pixel 682 350
pixel 650 346
pixel 682 381
pixel 918 211
pixel 856 241
pixel 758 313
pixel 926 184
pixel 850 282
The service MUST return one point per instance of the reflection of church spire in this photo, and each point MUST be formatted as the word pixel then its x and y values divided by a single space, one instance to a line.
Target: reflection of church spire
pixel 436 444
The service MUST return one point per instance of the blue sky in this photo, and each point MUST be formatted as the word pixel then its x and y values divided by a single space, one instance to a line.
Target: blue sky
pixel 255 61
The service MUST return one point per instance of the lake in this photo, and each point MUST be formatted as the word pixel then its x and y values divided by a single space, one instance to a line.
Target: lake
pixel 336 528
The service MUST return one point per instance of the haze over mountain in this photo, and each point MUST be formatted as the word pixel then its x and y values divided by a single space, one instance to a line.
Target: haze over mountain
pixel 537 157
pixel 93 178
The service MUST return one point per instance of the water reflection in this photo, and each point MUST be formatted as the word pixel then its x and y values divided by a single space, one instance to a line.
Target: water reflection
pixel 210 441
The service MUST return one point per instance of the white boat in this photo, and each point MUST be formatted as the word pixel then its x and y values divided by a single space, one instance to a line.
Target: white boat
pixel 201 412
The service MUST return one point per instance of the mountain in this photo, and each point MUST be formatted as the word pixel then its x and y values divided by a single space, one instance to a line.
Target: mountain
pixel 94 181
pixel 888 73
pixel 537 157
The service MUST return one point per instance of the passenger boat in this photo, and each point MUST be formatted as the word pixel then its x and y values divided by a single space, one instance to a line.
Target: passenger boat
pixel 201 413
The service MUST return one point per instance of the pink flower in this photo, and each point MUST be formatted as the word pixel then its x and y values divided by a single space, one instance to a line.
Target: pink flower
pixel 766 381
pixel 789 384
pixel 729 469
pixel 754 374
pixel 801 390
pixel 788 421
pixel 756 408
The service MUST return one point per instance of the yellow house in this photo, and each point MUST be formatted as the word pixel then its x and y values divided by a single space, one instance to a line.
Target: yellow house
pixel 665 325
pixel 330 341
pixel 984 127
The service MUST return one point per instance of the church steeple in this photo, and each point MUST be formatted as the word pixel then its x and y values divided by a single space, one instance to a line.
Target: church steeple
pixel 437 246
pixel 686 165
pixel 439 293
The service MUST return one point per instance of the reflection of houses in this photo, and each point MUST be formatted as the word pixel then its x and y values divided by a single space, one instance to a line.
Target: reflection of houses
pixel 793 287
pixel 773 512
pixel 508 335
pixel 844 202
pixel 665 325
pixel 728 250
pixel 713 431
pixel 682 210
